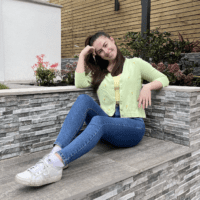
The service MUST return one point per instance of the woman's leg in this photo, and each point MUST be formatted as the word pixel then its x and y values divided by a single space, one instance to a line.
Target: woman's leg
pixel 121 132
pixel 83 109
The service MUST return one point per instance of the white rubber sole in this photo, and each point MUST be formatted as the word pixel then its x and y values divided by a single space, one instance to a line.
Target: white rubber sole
pixel 39 183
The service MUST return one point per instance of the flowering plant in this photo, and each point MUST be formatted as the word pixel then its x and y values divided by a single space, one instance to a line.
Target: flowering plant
pixel 44 75
pixel 67 75
pixel 176 76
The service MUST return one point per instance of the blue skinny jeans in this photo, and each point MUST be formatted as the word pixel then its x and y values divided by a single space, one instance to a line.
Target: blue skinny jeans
pixel 120 132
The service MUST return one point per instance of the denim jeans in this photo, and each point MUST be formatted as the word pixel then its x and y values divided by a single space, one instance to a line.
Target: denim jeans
pixel 120 132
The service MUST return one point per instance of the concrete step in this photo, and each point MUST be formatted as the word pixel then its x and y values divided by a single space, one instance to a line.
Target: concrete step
pixel 105 172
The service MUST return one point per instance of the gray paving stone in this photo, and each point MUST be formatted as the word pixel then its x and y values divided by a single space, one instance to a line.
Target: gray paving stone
pixel 108 169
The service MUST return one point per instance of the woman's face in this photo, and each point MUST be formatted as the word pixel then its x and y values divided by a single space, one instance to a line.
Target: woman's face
pixel 105 48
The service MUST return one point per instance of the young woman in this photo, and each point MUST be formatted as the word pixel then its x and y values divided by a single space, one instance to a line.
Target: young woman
pixel 119 118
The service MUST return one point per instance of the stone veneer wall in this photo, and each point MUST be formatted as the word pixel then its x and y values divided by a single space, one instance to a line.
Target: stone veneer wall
pixel 192 57
pixel 64 61
pixel 177 179
pixel 31 122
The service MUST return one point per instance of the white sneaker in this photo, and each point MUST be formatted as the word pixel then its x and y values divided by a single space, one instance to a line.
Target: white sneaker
pixel 41 174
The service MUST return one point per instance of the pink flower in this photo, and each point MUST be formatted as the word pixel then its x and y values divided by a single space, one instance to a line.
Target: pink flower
pixel 54 65
pixel 161 67
pixel 173 67
pixel 40 63
pixel 44 65
pixel 178 75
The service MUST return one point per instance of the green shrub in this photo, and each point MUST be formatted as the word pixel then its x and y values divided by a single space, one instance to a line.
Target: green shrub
pixel 155 46
pixel 2 86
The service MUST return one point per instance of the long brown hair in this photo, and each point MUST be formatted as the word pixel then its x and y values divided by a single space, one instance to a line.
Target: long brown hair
pixel 98 66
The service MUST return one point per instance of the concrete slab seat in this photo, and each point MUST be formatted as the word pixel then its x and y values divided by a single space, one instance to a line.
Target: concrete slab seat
pixel 154 169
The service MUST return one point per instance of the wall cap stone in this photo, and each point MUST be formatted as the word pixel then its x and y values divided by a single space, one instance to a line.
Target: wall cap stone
pixel 25 91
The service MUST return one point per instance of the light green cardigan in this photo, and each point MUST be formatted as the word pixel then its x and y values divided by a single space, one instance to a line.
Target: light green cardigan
pixel 131 79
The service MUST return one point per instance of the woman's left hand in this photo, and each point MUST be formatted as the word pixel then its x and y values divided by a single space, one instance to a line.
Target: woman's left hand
pixel 145 97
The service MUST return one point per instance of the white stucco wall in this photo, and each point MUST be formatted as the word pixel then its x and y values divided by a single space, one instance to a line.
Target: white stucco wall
pixel 27 29
pixel 2 62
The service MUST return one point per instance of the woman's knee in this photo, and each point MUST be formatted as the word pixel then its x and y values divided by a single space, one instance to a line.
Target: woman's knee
pixel 97 120
pixel 83 96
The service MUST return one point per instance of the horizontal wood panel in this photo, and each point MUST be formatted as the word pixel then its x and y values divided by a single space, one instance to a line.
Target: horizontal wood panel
pixel 94 3
pixel 152 18
pixel 79 9
pixel 178 27
pixel 109 19
pixel 152 23
pixel 107 9
pixel 83 18
pixel 163 8
pixel 177 5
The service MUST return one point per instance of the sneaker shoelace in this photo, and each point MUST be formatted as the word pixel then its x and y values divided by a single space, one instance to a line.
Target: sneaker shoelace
pixel 37 167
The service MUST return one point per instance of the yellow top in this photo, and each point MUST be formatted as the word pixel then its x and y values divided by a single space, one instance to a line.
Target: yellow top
pixel 116 87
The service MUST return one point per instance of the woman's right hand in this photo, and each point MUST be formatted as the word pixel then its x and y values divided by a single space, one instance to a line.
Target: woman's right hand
pixel 88 50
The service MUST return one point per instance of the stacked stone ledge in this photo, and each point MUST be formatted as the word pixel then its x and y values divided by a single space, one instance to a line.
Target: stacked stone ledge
pixel 31 122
